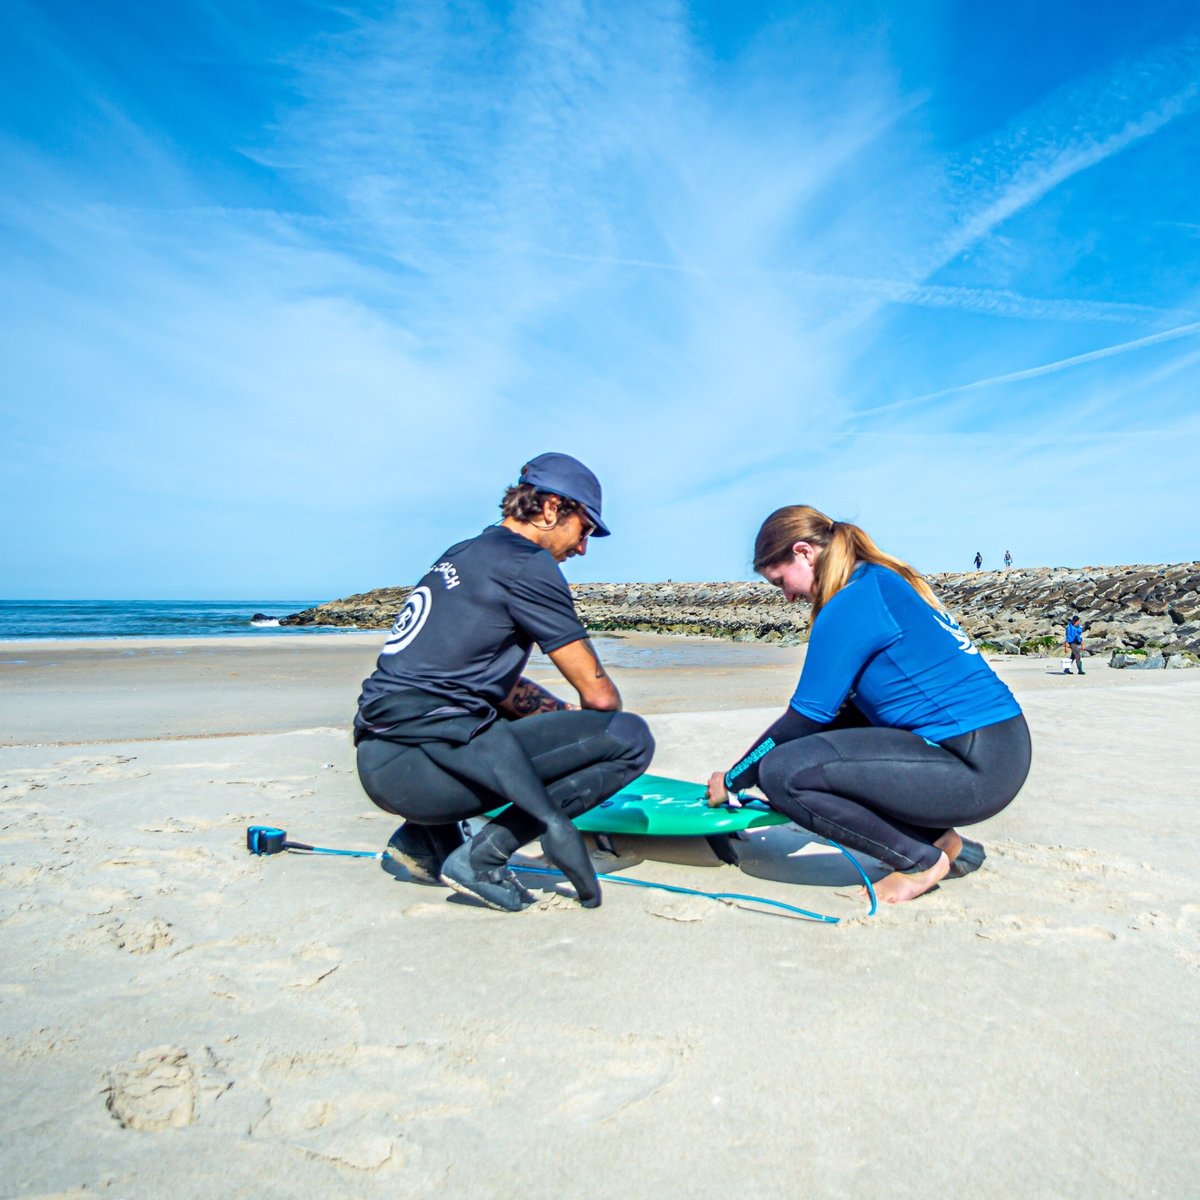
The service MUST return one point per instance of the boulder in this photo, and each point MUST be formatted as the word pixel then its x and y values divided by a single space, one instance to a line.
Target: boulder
pixel 1152 662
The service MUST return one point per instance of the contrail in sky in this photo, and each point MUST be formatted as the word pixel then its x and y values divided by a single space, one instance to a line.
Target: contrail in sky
pixel 997 302
pixel 1062 364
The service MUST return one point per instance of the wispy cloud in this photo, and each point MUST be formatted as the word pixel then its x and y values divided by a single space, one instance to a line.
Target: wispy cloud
pixel 1075 129
pixel 469 233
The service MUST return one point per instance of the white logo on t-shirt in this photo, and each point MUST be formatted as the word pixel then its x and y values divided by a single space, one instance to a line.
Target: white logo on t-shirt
pixel 409 621
pixel 950 625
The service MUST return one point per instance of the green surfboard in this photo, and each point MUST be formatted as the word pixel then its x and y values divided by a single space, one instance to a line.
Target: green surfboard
pixel 657 806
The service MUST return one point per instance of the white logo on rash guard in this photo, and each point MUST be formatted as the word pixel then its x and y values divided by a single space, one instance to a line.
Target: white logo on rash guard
pixel 950 625
pixel 449 573
pixel 409 621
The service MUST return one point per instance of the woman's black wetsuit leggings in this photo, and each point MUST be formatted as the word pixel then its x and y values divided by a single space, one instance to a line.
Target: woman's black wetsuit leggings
pixel 891 794
pixel 554 766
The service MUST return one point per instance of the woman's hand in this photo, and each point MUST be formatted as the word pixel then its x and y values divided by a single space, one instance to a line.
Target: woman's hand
pixel 716 793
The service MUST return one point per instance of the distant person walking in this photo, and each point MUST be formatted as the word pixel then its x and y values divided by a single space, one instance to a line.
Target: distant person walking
pixel 978 559
pixel 1073 643
pixel 1007 559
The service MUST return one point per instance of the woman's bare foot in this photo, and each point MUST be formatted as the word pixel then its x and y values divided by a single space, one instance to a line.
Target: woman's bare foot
pixel 950 844
pixel 898 887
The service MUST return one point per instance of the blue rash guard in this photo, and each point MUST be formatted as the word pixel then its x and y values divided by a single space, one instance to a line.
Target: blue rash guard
pixel 909 666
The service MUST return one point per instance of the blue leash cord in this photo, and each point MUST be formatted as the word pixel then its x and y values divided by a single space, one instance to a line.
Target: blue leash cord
pixel 822 918
pixel 327 850
pixel 267 839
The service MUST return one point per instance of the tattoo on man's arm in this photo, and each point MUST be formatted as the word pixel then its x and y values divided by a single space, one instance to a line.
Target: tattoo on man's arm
pixel 596 658
pixel 528 698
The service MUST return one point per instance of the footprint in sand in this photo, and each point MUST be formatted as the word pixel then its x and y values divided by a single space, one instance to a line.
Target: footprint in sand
pixel 109 769
pixel 138 936
pixel 103 901
pixel 1022 926
pixel 20 821
pixel 134 935
pixel 199 766
pixel 40 1043
pixel 1189 917
pixel 305 969
pixel 354 1130
pixel 178 825
pixel 20 878
pixel 165 1088
pixel 682 908
pixel 18 784
pixel 187 854
pixel 618 1079
pixel 72 772
pixel 25 913
pixel 1169 926
pixel 367 1098
pixel 1076 860
pixel 283 787
pixel 115 769
pixel 159 862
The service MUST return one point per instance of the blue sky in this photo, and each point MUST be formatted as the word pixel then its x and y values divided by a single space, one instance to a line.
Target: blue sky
pixel 291 290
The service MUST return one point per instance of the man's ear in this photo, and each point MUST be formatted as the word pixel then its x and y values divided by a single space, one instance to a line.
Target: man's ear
pixel 550 510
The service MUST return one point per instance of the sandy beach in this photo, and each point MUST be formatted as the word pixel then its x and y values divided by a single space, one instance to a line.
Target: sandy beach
pixel 181 1017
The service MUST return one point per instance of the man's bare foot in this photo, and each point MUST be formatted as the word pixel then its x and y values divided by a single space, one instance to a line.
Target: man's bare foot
pixel 898 887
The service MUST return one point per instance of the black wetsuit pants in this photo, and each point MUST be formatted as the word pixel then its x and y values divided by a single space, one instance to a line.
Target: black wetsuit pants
pixel 572 760
pixel 891 794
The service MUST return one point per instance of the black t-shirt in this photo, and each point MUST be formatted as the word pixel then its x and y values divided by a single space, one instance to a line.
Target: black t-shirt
pixel 467 628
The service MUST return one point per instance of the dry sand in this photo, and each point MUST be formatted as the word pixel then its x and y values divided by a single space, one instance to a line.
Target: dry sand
pixel 181 1018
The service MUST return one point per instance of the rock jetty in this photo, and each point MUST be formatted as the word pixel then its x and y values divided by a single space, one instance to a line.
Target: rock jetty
pixel 1129 608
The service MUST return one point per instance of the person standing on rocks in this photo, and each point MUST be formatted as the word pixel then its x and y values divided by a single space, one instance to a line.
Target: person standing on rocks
pixel 898 729
pixel 448 727
pixel 1007 559
pixel 978 560
pixel 1073 643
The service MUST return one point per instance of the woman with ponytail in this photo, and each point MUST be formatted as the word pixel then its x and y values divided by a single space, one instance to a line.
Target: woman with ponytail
pixel 898 729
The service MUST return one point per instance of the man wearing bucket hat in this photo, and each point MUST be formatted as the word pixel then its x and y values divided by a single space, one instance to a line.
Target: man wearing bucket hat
pixel 447 726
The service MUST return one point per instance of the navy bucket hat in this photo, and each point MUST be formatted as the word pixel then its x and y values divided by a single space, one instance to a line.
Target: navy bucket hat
pixel 567 477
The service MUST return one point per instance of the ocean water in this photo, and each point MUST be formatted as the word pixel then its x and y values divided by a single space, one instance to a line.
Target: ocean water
pixel 29 619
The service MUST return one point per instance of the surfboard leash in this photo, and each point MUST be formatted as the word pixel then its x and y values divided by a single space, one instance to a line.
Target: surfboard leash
pixel 267 839
pixel 820 918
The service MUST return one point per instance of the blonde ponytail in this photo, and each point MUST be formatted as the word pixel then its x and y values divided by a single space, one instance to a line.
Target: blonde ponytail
pixel 843 546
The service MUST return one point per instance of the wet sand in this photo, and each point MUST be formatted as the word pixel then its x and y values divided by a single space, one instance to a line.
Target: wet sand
pixel 181 1017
